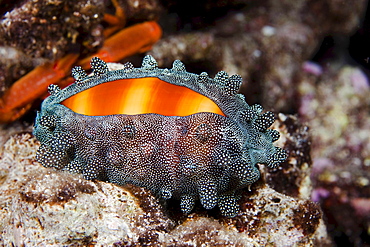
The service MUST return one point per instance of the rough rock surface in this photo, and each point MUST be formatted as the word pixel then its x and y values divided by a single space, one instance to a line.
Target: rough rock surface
pixel 41 206
pixel 336 105
pixel 265 42
pixel 33 32
pixel 292 177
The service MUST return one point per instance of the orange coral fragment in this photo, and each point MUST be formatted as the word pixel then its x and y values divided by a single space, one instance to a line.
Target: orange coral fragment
pixel 118 20
pixel 137 39
pixel 19 97
pixel 139 96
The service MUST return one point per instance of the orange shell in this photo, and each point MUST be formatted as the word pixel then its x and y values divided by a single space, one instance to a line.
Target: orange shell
pixel 139 96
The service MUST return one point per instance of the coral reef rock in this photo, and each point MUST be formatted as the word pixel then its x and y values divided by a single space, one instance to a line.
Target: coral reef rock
pixel 336 106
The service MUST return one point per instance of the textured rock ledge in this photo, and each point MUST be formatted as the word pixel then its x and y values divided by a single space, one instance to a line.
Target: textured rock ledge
pixel 41 206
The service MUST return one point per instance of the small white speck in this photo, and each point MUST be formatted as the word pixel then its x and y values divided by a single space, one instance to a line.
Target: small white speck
pixel 345 174
pixel 268 31
pixel 367 162
pixel 181 47
pixel 257 53
pixel 190 166
pixel 240 17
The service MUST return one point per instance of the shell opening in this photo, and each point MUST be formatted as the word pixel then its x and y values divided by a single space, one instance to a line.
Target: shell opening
pixel 140 96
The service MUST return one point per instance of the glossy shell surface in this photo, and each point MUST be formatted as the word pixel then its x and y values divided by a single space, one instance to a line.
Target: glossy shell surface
pixel 208 153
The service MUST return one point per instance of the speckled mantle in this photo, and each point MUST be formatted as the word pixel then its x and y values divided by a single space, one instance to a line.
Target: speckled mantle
pixel 203 156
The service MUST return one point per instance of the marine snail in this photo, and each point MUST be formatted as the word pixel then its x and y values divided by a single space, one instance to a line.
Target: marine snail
pixel 181 135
